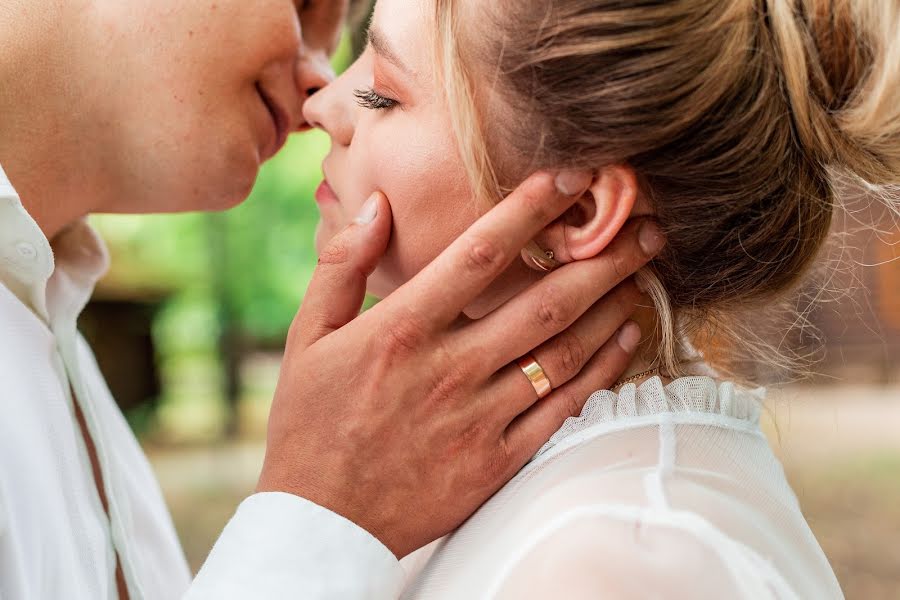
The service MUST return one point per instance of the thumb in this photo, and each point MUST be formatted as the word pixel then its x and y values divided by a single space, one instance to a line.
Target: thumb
pixel 338 286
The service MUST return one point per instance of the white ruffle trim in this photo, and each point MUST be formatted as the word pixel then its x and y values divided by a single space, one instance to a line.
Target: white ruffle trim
pixel 695 394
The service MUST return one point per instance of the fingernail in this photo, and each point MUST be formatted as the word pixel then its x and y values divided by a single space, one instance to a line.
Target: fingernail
pixel 629 336
pixel 572 182
pixel 369 210
pixel 650 238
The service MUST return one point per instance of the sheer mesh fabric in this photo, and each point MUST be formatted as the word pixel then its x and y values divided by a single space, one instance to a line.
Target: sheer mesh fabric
pixel 659 491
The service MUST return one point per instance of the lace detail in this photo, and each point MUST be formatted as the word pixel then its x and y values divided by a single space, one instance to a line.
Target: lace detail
pixel 696 394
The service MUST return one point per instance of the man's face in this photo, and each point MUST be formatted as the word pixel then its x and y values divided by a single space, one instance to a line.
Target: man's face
pixel 190 97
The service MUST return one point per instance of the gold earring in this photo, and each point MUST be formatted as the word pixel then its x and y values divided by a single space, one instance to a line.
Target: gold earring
pixel 544 263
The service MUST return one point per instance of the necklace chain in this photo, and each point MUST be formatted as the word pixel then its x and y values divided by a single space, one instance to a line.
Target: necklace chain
pixel 622 382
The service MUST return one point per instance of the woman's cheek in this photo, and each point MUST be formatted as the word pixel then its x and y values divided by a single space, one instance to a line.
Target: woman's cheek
pixel 431 207
pixel 419 170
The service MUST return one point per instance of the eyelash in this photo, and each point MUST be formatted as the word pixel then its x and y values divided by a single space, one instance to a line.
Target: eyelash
pixel 368 98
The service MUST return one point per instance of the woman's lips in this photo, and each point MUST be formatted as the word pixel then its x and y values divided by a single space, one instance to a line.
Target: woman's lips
pixel 324 193
pixel 280 122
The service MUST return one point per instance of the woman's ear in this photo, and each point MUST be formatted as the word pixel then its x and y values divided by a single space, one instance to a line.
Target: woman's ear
pixel 595 219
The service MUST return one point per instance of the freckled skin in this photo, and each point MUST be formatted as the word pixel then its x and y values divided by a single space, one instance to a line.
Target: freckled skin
pixel 167 111
pixel 216 146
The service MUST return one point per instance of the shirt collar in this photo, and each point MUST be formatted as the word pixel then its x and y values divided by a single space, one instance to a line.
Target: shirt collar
pixel 55 279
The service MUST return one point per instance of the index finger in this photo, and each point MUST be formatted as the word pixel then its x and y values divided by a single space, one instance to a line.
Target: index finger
pixel 446 286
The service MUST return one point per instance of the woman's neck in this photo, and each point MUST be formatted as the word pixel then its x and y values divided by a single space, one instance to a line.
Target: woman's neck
pixel 645 363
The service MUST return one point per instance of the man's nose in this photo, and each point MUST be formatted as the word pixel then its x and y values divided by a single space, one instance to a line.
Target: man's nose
pixel 313 73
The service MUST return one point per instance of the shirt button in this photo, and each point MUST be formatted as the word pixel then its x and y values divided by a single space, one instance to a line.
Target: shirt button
pixel 26 250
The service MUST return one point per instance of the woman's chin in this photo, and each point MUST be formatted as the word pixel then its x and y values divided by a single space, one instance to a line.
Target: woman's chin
pixel 322 236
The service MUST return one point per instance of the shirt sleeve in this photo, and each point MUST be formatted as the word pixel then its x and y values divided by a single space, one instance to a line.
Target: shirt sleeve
pixel 596 556
pixel 279 545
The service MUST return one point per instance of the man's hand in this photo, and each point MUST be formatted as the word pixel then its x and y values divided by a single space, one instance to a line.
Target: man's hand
pixel 406 418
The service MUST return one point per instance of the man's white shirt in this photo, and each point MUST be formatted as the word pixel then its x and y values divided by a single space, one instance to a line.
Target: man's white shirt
pixel 56 540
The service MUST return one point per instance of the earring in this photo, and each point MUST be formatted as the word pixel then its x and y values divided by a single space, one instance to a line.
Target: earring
pixel 544 263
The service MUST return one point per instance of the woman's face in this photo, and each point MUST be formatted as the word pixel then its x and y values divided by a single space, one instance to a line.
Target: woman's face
pixel 390 131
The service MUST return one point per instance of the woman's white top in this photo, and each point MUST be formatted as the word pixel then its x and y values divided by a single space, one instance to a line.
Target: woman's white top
pixel 56 540
pixel 657 492
pixel 667 493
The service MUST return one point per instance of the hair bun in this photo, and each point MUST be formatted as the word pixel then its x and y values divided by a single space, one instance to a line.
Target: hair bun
pixel 855 80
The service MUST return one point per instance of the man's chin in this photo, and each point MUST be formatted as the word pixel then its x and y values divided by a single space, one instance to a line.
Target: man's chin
pixel 213 198
pixel 174 204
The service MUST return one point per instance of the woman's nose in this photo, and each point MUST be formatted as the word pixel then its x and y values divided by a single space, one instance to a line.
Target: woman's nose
pixel 327 108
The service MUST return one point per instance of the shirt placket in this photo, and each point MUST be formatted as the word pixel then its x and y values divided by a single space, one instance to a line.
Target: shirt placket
pixel 99 482
pixel 63 325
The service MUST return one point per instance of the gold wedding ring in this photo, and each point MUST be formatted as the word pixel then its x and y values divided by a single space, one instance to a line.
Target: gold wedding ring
pixel 535 375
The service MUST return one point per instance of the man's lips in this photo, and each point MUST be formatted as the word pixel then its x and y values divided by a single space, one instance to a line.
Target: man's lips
pixel 324 193
pixel 280 120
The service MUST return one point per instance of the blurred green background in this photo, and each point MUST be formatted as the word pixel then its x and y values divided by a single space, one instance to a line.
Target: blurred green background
pixel 216 289
pixel 190 323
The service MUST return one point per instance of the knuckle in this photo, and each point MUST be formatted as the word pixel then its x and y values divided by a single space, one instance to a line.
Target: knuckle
pixel 482 255
pixel 534 200
pixel 336 253
pixel 534 205
pixel 556 309
pixel 621 266
pixel 449 385
pixel 570 406
pixel 405 333
pixel 571 355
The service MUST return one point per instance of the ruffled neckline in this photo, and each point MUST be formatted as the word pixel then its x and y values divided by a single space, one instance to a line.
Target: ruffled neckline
pixel 692 394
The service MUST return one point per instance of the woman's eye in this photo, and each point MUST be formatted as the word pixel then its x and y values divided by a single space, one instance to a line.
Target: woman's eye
pixel 368 98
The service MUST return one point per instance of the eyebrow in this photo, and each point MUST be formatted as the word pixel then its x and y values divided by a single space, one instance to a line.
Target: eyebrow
pixel 382 47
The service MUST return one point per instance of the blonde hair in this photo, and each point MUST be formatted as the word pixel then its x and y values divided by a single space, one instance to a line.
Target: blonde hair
pixel 740 118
